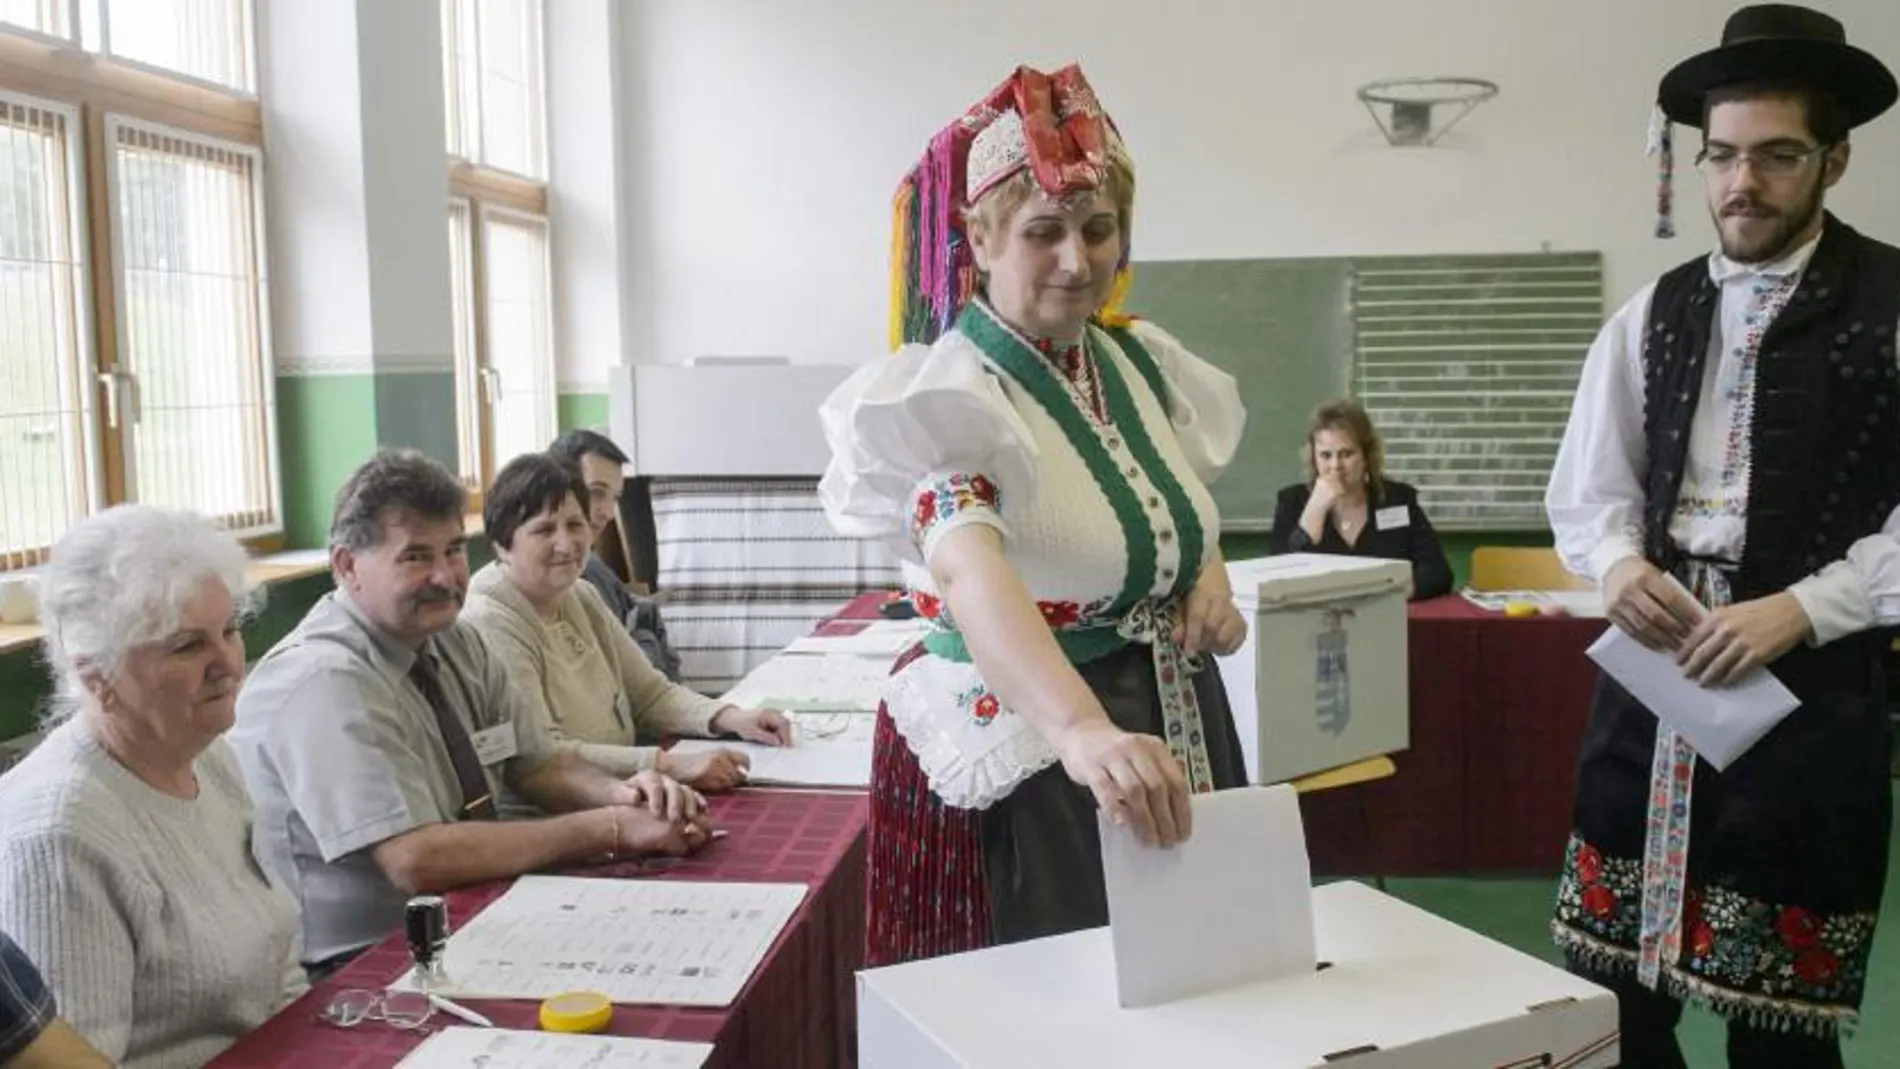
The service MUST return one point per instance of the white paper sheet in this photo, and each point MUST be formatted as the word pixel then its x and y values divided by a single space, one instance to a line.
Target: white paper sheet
pixel 883 638
pixel 827 683
pixel 1232 905
pixel 634 941
pixel 1720 722
pixel 490 1048
pixel 828 750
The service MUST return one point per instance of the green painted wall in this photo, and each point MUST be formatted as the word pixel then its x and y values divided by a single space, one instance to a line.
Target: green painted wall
pixel 581 410
pixel 417 409
pixel 23 686
pixel 326 426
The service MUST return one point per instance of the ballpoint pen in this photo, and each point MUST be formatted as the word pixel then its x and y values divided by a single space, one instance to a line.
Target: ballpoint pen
pixel 455 1010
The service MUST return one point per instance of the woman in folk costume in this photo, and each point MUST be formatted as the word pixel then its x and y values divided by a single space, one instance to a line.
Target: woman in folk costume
pixel 1735 430
pixel 1041 465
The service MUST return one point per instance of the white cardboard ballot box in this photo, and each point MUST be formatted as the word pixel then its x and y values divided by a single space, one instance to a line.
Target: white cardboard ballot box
pixel 1398 987
pixel 1322 679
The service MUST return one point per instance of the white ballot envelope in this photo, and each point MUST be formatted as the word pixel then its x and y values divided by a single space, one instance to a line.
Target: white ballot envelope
pixel 1231 905
pixel 1720 722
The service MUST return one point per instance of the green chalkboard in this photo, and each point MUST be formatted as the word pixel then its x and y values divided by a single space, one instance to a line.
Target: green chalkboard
pixel 1283 328
pixel 1467 364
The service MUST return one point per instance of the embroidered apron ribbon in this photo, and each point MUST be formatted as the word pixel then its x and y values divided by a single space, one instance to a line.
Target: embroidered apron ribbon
pixel 1666 837
pixel 1152 623
pixel 1672 763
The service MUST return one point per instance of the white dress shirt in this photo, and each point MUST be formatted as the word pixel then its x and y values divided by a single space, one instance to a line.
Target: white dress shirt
pixel 1596 495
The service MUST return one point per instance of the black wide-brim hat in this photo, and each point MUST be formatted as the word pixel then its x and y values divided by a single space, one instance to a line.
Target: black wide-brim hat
pixel 1781 42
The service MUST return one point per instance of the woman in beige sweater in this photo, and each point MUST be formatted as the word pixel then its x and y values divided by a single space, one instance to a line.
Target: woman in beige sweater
pixel 574 664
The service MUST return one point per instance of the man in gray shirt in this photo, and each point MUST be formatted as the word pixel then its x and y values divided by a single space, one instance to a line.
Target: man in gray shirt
pixel 377 737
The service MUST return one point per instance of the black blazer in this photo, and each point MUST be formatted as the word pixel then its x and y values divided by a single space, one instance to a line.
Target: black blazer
pixel 1414 540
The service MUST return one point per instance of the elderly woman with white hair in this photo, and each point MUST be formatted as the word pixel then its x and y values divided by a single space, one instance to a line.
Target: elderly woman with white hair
pixel 126 869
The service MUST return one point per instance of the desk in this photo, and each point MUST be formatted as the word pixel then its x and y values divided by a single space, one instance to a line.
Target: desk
pixel 1498 708
pixel 797 1011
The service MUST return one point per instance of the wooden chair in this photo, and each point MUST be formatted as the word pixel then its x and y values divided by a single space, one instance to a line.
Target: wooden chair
pixel 637 539
pixel 613 548
pixel 1521 568
pixel 1366 771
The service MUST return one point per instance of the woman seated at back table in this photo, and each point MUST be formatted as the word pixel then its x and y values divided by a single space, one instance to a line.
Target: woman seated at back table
pixel 572 660
pixel 1348 506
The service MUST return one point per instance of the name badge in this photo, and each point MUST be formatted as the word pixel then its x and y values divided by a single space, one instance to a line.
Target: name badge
pixel 494 745
pixel 1393 518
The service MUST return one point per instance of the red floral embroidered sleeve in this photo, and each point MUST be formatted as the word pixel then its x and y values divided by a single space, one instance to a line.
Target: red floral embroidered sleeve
pixel 943 503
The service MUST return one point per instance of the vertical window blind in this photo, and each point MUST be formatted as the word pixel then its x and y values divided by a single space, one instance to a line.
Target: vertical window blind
pixel 192 375
pixel 46 468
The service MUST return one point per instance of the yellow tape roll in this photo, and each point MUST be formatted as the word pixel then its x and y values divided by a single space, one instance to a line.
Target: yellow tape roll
pixel 576 1011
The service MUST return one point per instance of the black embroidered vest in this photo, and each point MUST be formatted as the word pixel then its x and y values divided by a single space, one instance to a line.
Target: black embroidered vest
pixel 1825 438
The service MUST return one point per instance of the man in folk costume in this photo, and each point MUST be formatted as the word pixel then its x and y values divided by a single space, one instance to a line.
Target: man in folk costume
pixel 1737 428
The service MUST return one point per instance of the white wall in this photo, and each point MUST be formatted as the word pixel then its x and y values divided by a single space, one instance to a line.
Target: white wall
pixel 765 139
pixel 405 174
pixel 315 195
pixel 585 206
pixel 354 160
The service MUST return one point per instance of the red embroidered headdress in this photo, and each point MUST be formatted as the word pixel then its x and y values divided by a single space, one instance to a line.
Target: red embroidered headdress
pixel 1049 123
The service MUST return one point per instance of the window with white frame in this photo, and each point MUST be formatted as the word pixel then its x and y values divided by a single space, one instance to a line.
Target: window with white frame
pixel 470 427
pixel 52 18
pixel 498 231
pixel 48 477
pixel 197 390
pixel 518 334
pixel 207 41
pixel 134 342
pixel 493 75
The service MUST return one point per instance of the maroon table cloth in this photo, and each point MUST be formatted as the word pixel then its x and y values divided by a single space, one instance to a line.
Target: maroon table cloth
pixel 856 613
pixel 798 1010
pixel 1498 707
